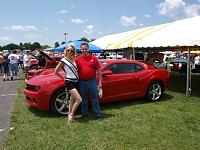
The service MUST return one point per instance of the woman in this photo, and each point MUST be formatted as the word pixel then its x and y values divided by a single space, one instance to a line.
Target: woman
pixel 71 79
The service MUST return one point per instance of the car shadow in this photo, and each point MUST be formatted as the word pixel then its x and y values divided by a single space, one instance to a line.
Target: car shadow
pixel 118 105
pixel 42 114
pixel 141 101
pixel 178 83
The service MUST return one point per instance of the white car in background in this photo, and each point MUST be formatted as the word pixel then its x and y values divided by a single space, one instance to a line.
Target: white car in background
pixel 118 55
pixel 5 52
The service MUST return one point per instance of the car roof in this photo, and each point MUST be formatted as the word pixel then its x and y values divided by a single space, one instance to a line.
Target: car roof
pixel 107 61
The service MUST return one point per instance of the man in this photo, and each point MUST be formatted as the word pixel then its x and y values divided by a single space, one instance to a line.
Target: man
pixel 13 59
pixel 88 65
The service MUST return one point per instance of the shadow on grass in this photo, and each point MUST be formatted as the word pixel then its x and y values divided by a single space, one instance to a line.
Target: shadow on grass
pixel 143 101
pixel 178 83
pixel 116 105
pixel 92 118
pixel 41 113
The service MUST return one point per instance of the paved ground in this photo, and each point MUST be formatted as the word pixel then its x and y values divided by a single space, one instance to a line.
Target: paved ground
pixel 8 92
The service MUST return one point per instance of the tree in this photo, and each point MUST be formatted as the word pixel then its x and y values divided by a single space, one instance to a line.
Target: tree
pixel 21 46
pixel 62 43
pixel 56 44
pixel 35 45
pixel 27 46
pixel 11 46
pixel 92 39
pixel 85 39
pixel 46 46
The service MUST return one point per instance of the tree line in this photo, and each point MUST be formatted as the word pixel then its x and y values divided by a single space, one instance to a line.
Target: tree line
pixel 34 45
pixel 24 46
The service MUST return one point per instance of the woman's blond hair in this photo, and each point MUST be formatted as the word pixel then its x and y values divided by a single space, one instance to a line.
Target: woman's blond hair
pixel 72 46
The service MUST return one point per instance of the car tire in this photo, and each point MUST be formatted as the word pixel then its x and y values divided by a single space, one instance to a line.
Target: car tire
pixel 59 103
pixel 155 91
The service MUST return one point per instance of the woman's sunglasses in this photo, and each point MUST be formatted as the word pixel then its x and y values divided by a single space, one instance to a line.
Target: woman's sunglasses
pixel 70 51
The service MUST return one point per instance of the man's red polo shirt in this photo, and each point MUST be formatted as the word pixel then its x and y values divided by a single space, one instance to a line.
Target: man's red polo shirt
pixel 87 67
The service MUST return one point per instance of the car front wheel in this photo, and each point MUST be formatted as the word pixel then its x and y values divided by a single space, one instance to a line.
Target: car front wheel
pixel 154 91
pixel 60 102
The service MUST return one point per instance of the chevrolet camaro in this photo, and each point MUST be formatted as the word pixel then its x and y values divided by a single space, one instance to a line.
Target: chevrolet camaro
pixel 121 80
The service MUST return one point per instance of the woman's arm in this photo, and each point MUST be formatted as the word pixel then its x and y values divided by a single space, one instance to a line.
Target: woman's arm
pixel 57 70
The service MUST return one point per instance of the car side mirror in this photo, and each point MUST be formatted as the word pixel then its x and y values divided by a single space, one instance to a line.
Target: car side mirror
pixel 106 72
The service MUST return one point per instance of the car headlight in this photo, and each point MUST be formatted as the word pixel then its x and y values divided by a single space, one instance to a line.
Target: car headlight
pixel 32 87
pixel 37 88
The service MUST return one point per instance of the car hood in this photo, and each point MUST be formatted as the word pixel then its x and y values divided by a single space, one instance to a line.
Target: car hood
pixel 46 56
pixel 154 56
pixel 45 78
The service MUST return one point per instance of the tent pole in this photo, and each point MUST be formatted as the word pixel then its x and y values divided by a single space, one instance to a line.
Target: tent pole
pixel 188 84
pixel 133 53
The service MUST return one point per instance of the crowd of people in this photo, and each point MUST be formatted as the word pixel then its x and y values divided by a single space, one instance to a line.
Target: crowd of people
pixel 11 63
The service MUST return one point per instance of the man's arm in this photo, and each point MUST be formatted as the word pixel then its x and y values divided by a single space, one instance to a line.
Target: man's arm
pixel 99 77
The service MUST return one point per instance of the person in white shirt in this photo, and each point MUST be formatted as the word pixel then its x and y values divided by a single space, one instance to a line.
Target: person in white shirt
pixel 13 59
pixel 197 62
pixel 26 61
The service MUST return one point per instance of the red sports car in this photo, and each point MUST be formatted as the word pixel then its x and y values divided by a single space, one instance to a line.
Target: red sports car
pixel 121 80
pixel 36 69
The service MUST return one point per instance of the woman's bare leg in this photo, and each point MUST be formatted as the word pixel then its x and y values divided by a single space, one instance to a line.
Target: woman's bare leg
pixel 77 100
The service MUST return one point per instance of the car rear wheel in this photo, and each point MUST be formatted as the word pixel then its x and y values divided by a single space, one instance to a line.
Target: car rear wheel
pixel 154 91
pixel 60 102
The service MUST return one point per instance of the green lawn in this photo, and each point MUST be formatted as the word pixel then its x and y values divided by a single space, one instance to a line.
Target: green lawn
pixel 172 123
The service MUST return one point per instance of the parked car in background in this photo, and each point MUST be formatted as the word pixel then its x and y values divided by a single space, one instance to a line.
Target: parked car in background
pixel 121 80
pixel 5 52
pixel 36 69
pixel 156 60
pixel 179 64
pixel 110 55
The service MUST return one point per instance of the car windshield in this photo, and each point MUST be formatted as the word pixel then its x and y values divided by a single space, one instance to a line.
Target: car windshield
pixel 102 63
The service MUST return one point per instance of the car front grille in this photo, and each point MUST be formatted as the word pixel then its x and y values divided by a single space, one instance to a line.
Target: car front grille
pixel 30 87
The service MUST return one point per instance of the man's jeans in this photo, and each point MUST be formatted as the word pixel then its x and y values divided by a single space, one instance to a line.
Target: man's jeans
pixel 89 86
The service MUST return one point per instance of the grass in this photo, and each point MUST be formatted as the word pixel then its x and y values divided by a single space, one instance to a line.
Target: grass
pixel 172 123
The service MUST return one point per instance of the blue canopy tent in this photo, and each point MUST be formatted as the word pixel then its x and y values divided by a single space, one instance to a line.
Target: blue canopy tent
pixel 77 43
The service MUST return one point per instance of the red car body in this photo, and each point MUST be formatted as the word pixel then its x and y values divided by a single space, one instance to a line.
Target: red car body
pixel 49 68
pixel 121 80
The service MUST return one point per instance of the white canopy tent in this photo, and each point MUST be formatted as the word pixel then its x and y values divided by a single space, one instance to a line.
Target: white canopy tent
pixel 178 33
pixel 181 33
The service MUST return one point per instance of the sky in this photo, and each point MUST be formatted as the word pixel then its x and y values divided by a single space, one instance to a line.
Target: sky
pixel 46 21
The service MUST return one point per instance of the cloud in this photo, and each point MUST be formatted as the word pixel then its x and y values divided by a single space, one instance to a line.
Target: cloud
pixel 77 21
pixel 177 9
pixel 61 20
pixel 62 11
pixel 21 28
pixel 46 29
pixel 127 21
pixel 146 16
pixel 89 29
pixel 33 36
pixel 5 38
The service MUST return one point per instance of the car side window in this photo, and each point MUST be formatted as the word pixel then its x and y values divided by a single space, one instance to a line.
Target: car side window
pixel 119 68
pixel 137 67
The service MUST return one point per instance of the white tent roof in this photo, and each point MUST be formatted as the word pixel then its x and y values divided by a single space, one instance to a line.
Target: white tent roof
pixel 184 32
